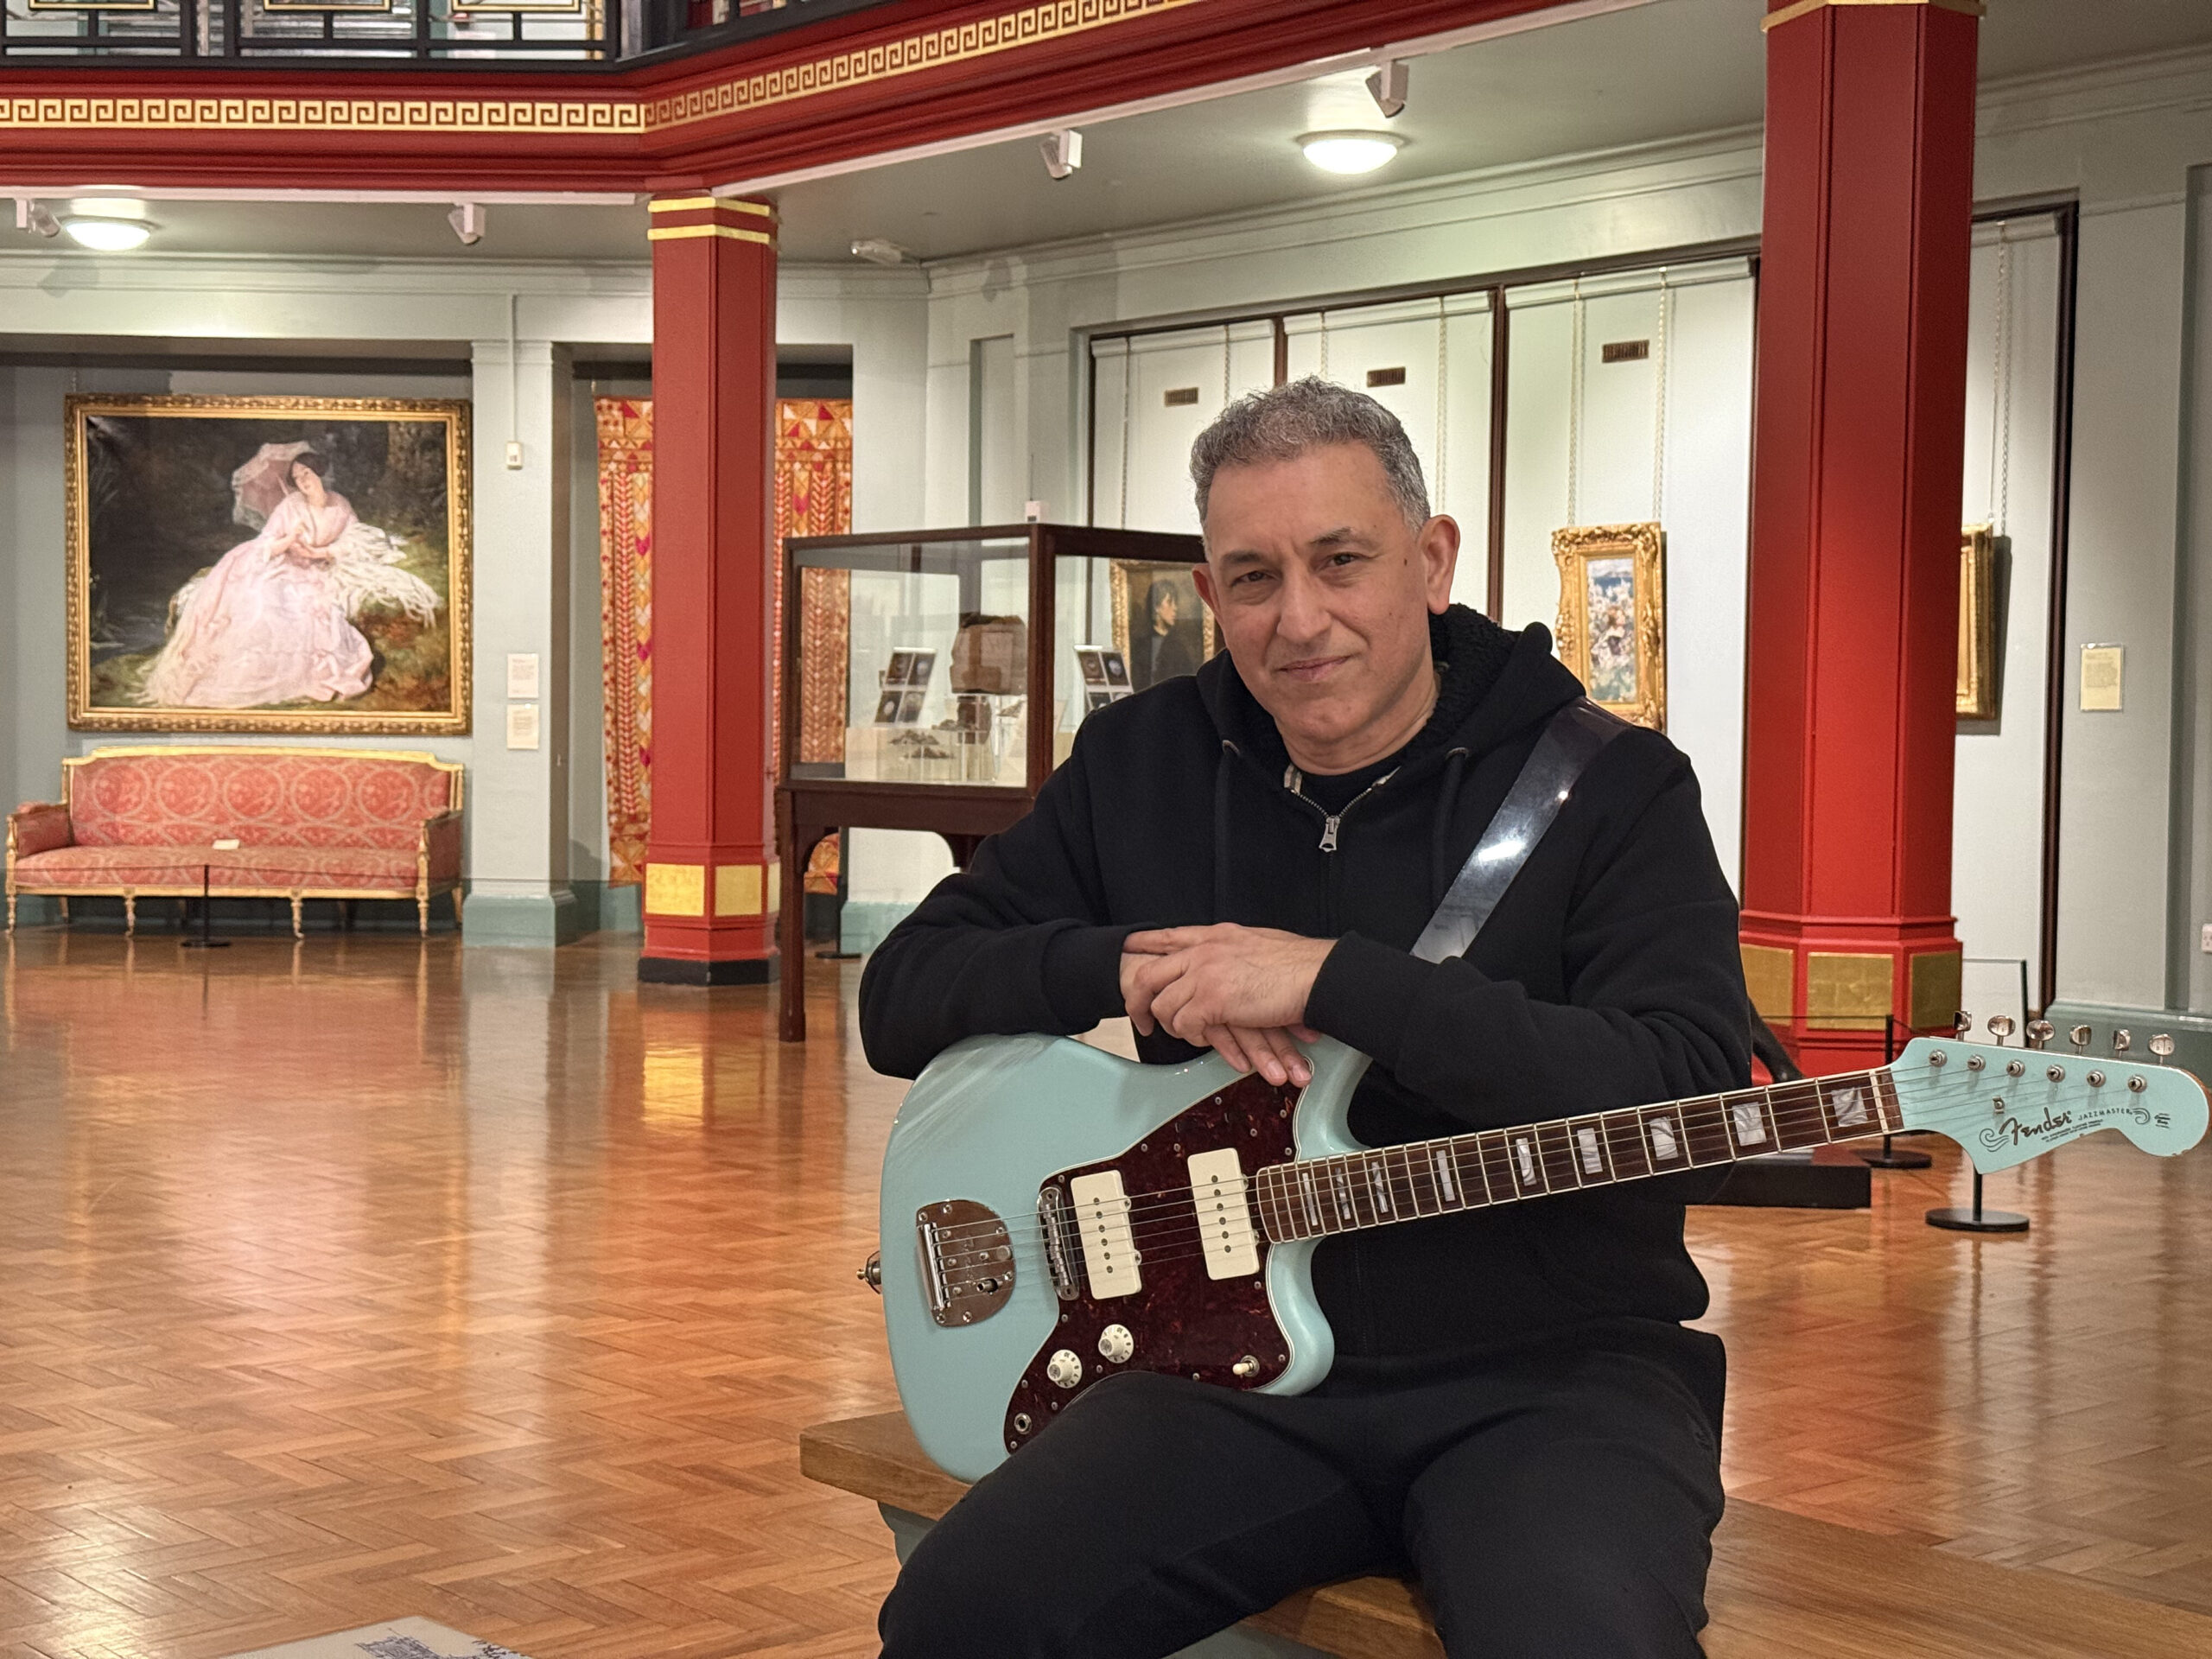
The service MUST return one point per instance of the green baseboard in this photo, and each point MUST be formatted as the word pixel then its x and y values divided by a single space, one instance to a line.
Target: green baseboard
pixel 861 927
pixel 542 920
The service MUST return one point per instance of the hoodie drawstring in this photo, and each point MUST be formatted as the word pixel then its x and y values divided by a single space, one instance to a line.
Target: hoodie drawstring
pixel 1221 830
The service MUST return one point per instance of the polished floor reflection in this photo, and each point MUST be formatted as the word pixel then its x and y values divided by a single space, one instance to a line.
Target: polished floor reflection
pixel 363 1279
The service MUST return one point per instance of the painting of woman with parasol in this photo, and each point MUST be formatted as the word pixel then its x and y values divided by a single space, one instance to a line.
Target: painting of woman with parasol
pixel 341 610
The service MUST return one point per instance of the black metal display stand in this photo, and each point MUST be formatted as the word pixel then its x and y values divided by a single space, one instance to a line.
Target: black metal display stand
pixel 1976 1220
pixel 206 941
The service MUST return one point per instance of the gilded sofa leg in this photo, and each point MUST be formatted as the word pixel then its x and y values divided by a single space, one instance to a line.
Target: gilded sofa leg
pixel 456 910
pixel 63 899
pixel 297 931
pixel 422 912
pixel 130 913
pixel 11 913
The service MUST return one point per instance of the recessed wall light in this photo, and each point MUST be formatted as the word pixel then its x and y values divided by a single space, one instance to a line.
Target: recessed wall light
pixel 1349 152
pixel 105 235
pixel 879 250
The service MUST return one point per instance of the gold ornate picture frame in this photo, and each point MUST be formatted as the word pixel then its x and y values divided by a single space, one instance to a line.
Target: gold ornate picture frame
pixel 268 564
pixel 1141 588
pixel 1978 679
pixel 1612 616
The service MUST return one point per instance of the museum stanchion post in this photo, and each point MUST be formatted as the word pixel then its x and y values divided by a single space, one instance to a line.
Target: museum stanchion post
pixel 711 877
pixel 1857 459
pixel 205 940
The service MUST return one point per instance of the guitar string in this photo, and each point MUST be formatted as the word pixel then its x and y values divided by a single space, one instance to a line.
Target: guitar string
pixel 1791 1107
pixel 1168 1246
pixel 1141 1211
pixel 1793 1113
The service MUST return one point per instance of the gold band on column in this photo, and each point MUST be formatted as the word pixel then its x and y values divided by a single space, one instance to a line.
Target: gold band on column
pixel 1807 7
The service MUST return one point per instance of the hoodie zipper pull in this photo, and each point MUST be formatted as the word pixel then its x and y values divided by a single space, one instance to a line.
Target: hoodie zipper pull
pixel 1329 833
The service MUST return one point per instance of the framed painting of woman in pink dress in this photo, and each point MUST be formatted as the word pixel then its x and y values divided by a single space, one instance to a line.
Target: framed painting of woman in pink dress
pixel 275 564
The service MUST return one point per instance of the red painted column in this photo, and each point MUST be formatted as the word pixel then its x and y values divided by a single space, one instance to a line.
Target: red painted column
pixel 1854 578
pixel 710 875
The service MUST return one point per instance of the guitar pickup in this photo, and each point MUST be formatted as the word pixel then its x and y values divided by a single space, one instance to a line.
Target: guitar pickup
pixel 1220 1192
pixel 1102 1221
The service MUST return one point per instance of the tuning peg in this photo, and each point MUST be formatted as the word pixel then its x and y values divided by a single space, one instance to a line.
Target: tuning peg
pixel 2040 1031
pixel 2162 1045
pixel 1961 1025
pixel 2080 1038
pixel 2000 1027
pixel 2121 1042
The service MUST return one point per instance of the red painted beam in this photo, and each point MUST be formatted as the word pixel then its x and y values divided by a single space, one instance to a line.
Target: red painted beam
pixel 849 87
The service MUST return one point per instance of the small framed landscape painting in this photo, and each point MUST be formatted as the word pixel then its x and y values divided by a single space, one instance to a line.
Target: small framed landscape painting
pixel 268 564
pixel 1612 616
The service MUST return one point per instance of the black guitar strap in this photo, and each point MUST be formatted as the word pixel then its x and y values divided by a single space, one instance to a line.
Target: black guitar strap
pixel 1570 742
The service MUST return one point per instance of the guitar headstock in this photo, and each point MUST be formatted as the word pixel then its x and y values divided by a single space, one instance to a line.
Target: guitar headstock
pixel 2007 1105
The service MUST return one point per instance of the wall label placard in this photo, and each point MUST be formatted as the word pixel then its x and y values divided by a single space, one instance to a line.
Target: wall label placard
pixel 2101 668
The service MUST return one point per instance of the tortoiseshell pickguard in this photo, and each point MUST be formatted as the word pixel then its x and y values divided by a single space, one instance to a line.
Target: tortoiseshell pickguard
pixel 1183 1322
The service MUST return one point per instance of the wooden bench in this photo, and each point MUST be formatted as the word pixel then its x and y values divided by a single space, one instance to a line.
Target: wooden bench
pixel 1780 1585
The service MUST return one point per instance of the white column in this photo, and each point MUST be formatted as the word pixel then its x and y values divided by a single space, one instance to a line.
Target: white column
pixel 517 805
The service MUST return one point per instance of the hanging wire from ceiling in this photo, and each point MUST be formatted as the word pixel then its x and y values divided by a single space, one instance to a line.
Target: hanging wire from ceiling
pixel 1659 404
pixel 2000 425
pixel 1443 372
pixel 1574 413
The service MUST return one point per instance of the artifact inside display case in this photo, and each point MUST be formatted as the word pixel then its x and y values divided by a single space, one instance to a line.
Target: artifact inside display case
pixel 914 658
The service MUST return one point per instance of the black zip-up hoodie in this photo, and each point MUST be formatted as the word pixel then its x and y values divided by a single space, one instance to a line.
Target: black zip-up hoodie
pixel 1607 976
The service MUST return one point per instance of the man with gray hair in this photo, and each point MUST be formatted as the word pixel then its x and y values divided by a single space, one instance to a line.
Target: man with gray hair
pixel 1517 1414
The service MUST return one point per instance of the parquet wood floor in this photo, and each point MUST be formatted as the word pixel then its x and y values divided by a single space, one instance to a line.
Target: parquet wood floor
pixel 363 1279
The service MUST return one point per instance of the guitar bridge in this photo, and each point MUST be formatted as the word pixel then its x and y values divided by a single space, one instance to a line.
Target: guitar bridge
pixel 967 1260
pixel 1058 1228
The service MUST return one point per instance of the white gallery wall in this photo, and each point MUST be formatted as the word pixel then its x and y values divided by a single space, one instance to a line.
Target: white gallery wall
pixel 2119 138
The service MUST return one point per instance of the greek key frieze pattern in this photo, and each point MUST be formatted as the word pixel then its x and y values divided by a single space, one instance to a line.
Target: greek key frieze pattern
pixel 781 84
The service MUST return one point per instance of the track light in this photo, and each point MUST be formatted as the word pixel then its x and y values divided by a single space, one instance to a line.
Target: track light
pixel 1387 86
pixel 1063 151
pixel 467 221
pixel 879 250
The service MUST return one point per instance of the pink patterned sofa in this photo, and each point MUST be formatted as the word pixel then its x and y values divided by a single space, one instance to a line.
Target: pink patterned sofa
pixel 310 823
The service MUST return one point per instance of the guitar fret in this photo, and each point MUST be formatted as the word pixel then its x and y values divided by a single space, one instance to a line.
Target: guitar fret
pixel 1375 1181
pixel 1407 1168
pixel 1851 1106
pixel 1885 1100
pixel 1705 1131
pixel 1799 1114
pixel 1556 1153
pixel 1624 1149
pixel 1666 1143
pixel 1467 1154
pixel 1524 1168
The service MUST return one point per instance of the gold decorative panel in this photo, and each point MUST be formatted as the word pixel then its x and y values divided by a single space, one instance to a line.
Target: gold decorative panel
pixel 676 890
pixel 1842 985
pixel 1935 988
pixel 1766 976
pixel 737 890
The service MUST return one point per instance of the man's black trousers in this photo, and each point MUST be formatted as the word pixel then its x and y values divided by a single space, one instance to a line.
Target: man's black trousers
pixel 1561 1507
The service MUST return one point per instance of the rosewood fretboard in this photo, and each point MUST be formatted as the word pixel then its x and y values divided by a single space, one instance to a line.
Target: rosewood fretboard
pixel 1319 1196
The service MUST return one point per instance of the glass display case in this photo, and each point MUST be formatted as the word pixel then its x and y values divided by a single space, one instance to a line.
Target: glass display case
pixel 932 680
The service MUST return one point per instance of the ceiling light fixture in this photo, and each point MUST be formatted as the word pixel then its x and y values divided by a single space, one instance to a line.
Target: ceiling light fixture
pixel 105 235
pixel 467 221
pixel 1063 151
pixel 34 216
pixel 1349 152
pixel 107 207
pixel 1387 86
pixel 879 250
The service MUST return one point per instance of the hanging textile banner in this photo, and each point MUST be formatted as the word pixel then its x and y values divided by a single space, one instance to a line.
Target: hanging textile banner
pixel 625 624
pixel 813 497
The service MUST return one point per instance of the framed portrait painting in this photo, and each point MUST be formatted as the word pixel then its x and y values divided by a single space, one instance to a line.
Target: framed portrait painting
pixel 1978 677
pixel 268 564
pixel 1162 628
pixel 1612 616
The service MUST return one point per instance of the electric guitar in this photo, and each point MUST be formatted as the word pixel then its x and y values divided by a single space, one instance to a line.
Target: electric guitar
pixel 1053 1214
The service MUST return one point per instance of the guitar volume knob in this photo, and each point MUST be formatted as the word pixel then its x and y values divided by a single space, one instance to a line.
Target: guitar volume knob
pixel 1064 1370
pixel 1116 1344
